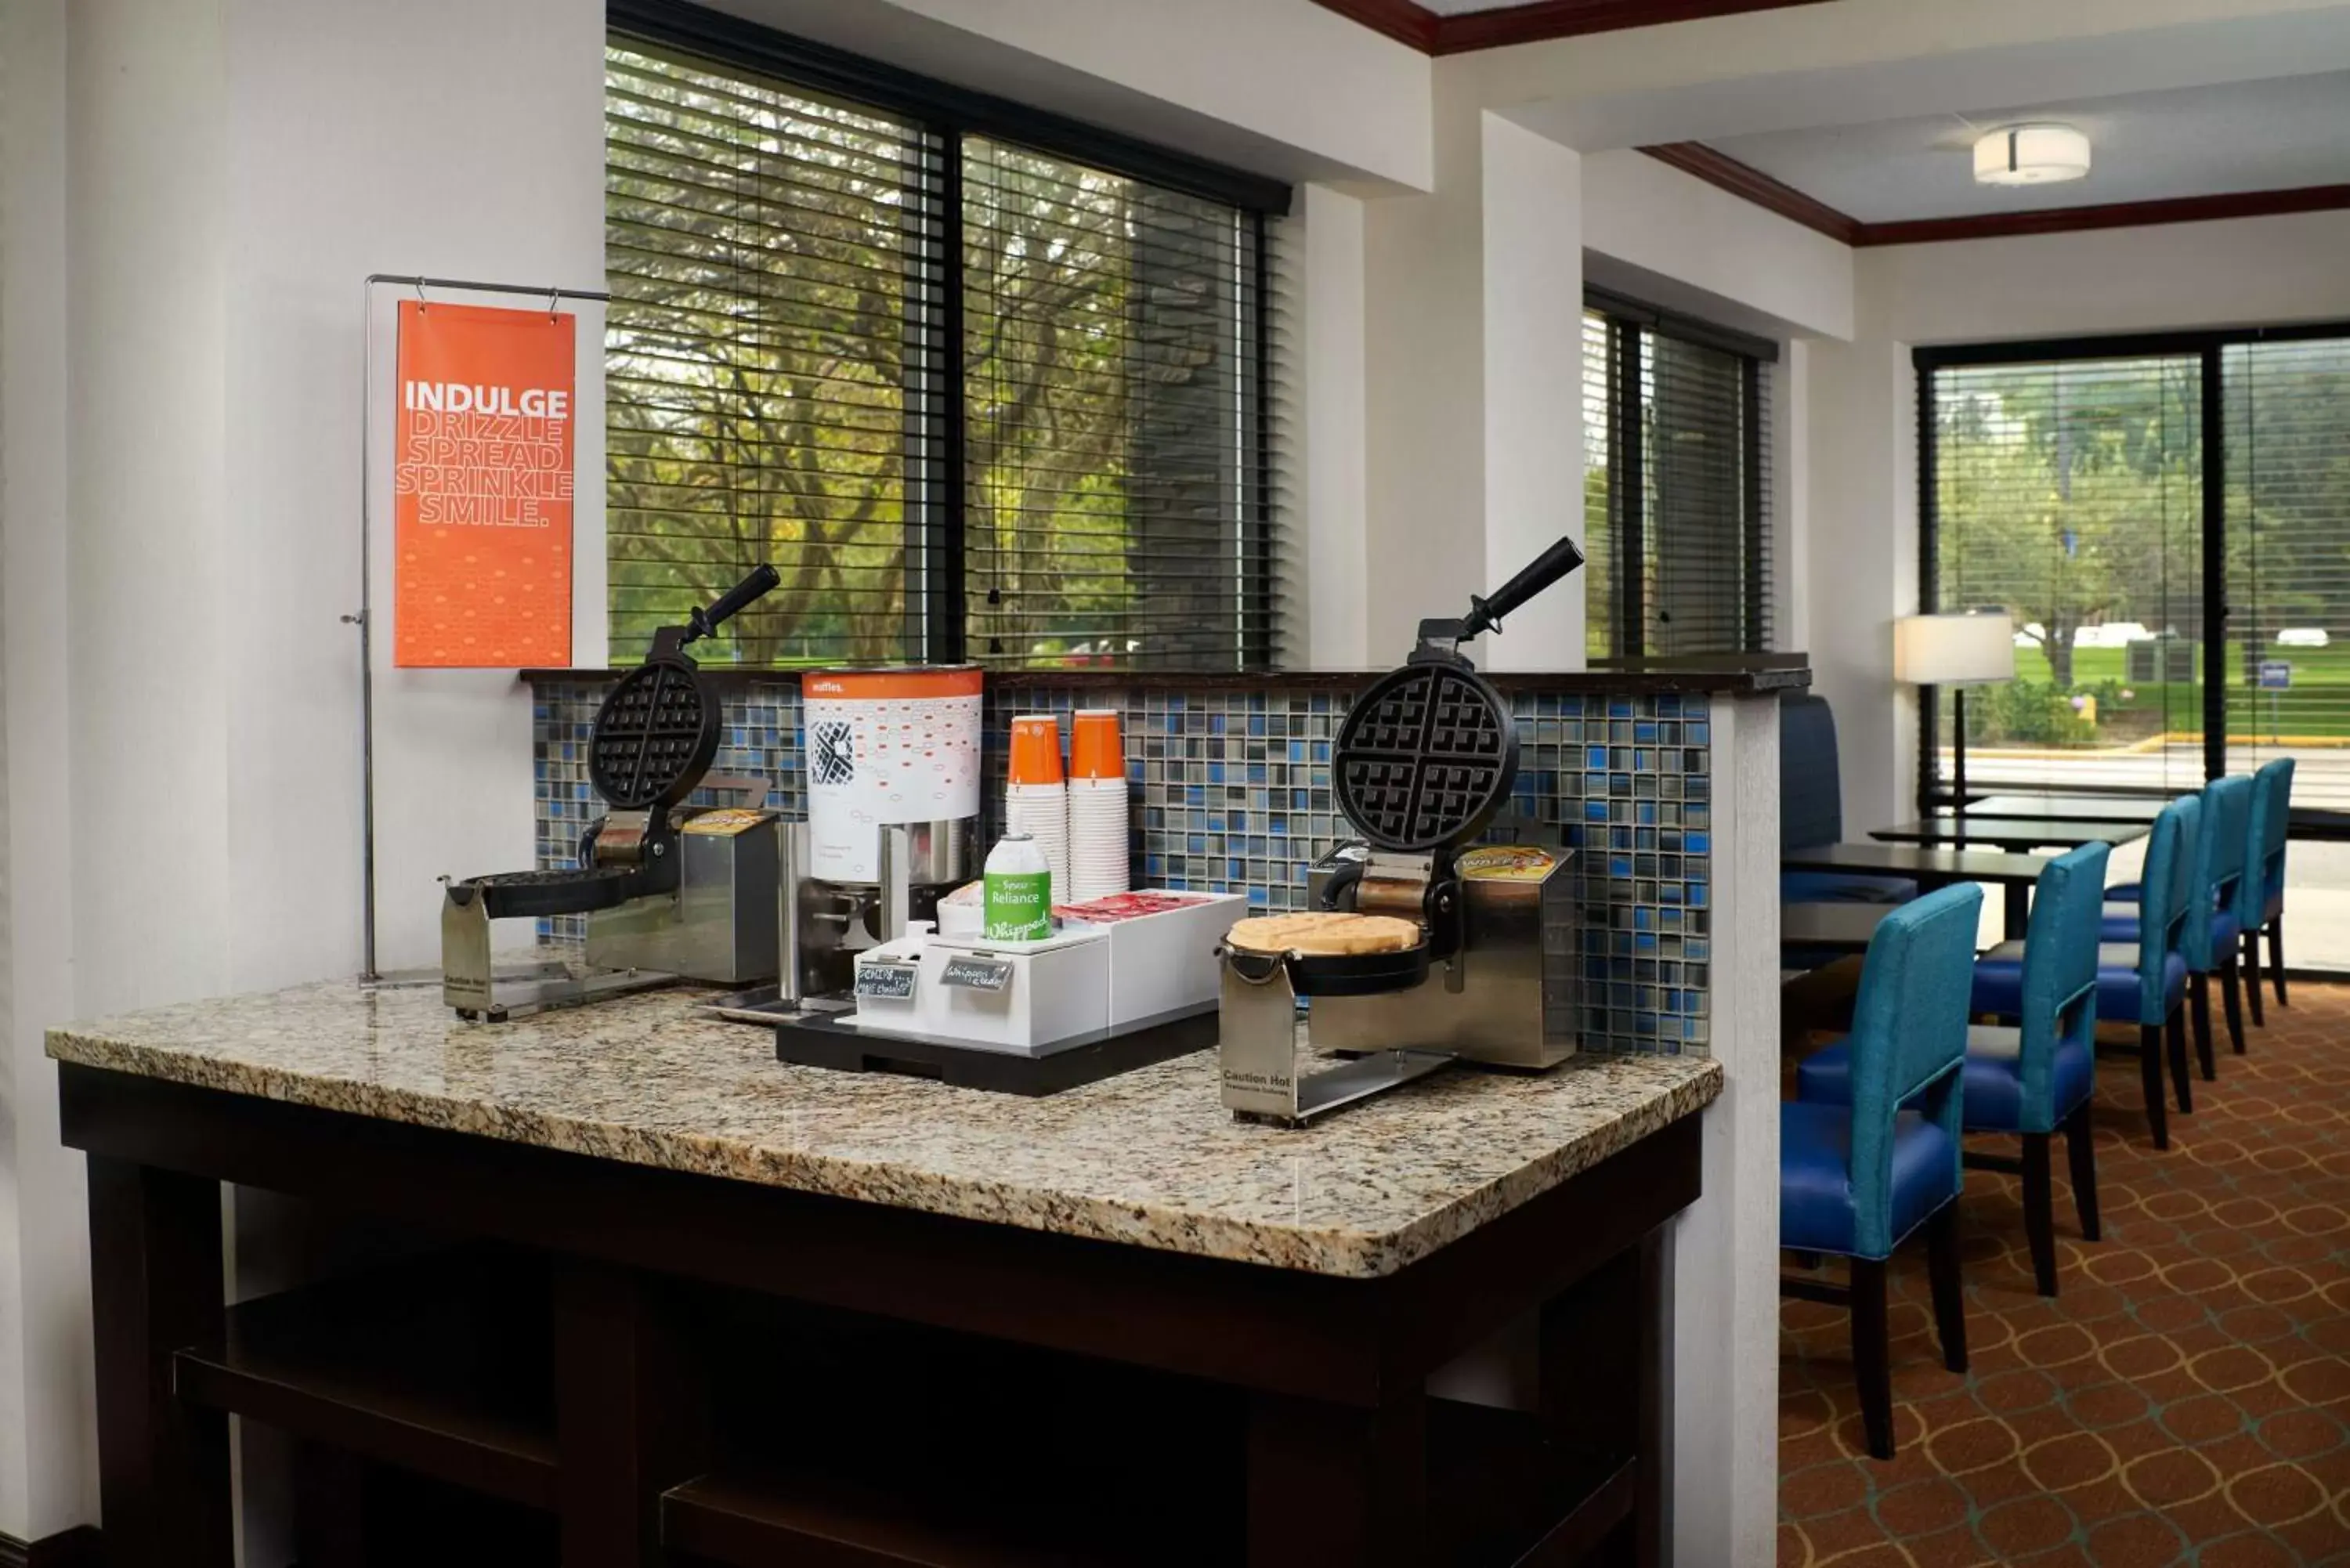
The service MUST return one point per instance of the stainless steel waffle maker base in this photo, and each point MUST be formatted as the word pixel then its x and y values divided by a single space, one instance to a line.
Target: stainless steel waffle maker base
pixel 1423 764
pixel 669 893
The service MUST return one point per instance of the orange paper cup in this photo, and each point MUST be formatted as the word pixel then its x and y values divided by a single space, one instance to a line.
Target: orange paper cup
pixel 1035 749
pixel 1095 749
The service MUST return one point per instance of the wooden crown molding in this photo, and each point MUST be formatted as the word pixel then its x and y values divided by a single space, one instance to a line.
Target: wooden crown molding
pixel 1746 182
pixel 2110 215
pixel 1432 33
pixel 1398 19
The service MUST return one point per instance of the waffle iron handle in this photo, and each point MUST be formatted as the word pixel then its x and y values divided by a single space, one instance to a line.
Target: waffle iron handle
pixel 705 622
pixel 1547 568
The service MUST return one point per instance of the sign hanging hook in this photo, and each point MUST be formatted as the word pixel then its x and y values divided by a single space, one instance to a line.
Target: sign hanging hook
pixel 554 294
pixel 421 303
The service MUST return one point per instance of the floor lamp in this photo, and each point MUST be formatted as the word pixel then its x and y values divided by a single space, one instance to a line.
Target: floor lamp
pixel 1957 651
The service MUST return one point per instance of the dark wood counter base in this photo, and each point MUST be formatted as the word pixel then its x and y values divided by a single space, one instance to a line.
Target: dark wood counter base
pixel 1285 1409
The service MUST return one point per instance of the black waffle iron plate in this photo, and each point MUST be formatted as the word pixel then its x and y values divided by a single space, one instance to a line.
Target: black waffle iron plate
pixel 653 740
pixel 1425 757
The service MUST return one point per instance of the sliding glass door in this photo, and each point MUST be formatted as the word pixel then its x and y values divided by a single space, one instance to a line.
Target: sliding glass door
pixel 2067 495
pixel 2288 575
pixel 2166 520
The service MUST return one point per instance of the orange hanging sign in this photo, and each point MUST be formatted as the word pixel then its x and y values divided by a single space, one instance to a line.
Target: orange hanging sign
pixel 481 487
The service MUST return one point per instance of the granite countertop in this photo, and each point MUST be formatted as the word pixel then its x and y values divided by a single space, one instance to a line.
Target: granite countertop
pixel 1150 1158
pixel 1730 674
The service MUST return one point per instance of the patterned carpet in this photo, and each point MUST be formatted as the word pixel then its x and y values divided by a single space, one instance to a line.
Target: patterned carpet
pixel 2185 1399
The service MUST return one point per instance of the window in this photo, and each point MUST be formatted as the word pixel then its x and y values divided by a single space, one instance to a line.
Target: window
pixel 980 384
pixel 2167 519
pixel 2068 495
pixel 1676 481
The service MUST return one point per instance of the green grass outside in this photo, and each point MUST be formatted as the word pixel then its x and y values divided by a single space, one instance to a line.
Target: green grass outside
pixel 2317 706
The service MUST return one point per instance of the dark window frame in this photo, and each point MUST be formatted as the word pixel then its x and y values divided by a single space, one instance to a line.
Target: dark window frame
pixel 945 114
pixel 1757 589
pixel 2208 344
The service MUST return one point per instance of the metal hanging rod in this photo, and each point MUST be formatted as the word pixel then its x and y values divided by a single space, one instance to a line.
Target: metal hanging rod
pixel 414 280
pixel 364 617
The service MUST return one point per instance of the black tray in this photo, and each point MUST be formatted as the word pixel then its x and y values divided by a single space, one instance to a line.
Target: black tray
pixel 828 1042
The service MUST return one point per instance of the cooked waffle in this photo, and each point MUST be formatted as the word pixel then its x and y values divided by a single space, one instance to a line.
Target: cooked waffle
pixel 1325 934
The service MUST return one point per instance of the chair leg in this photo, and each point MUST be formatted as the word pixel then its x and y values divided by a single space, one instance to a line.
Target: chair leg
pixel 2276 960
pixel 1950 1287
pixel 1872 1364
pixel 2231 996
pixel 2081 1151
pixel 2182 1081
pixel 2040 1211
pixel 2252 967
pixel 2149 1066
pixel 2199 999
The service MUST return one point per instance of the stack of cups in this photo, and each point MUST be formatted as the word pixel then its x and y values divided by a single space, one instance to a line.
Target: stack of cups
pixel 1100 862
pixel 1036 797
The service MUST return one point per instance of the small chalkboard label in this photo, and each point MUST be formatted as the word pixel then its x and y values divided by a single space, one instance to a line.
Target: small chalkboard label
pixel 887 981
pixel 976 973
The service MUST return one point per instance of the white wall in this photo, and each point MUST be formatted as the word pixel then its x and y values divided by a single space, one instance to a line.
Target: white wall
pixel 47 1479
pixel 1863 555
pixel 483 162
pixel 1286 87
pixel 1711 253
pixel 2244 272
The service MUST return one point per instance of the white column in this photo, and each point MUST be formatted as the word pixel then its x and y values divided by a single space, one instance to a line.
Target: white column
pixel 1863 566
pixel 1791 498
pixel 1474 407
pixel 1533 272
pixel 1326 387
pixel 1723 1494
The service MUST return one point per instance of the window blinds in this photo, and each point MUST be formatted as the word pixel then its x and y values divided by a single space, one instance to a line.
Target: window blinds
pixel 1111 372
pixel 1676 492
pixel 971 398
pixel 761 367
pixel 2288 558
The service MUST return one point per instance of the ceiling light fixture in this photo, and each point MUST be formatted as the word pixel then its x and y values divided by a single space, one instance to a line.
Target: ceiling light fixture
pixel 2032 155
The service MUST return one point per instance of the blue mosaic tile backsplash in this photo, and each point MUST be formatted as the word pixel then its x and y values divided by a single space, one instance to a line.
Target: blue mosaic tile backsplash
pixel 1231 793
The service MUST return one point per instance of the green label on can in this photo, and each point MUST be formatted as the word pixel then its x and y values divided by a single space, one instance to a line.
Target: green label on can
pixel 1019 906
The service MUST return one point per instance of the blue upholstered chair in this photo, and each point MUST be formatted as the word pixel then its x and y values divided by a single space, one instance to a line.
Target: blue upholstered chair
pixel 1858 1179
pixel 2260 902
pixel 2143 983
pixel 2036 1078
pixel 1811 809
pixel 2208 942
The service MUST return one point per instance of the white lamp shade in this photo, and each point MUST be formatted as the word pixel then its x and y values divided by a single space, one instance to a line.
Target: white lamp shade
pixel 2032 155
pixel 1953 650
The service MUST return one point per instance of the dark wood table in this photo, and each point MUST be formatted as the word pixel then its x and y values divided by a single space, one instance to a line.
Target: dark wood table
pixel 1311 1440
pixel 2069 808
pixel 2009 832
pixel 1931 866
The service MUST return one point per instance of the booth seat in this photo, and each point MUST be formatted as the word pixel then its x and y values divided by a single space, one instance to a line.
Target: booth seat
pixel 1811 809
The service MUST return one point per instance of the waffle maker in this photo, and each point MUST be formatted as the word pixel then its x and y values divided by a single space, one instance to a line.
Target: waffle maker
pixel 1423 764
pixel 668 894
